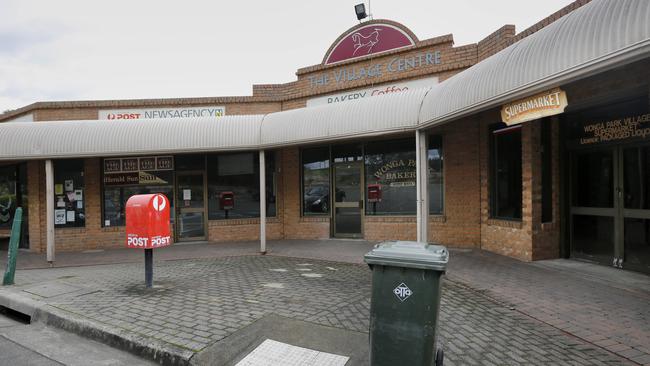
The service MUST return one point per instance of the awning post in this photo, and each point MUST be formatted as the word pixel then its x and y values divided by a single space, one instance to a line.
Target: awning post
pixel 262 203
pixel 49 209
pixel 422 186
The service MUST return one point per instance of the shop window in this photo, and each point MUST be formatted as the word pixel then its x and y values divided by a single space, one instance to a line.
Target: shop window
pixel 505 177
pixel 315 181
pixel 69 195
pixel 391 165
pixel 125 177
pixel 8 195
pixel 239 175
pixel 547 173
pixel 436 187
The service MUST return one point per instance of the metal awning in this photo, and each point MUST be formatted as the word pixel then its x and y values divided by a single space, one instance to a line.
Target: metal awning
pixel 66 139
pixel 594 38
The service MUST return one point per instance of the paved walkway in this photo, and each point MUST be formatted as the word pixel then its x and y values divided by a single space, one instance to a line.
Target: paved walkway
pixel 495 310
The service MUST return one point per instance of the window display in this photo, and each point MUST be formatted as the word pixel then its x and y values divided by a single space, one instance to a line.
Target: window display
pixel 316 181
pixel 69 207
pixel 234 188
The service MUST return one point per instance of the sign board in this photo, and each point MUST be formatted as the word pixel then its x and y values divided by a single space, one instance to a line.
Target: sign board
pixel 147 221
pixel 150 113
pixel 544 104
pixel 368 39
pixel 397 87
pixel 140 170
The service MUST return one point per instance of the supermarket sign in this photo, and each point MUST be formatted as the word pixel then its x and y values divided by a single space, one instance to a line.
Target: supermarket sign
pixel 156 113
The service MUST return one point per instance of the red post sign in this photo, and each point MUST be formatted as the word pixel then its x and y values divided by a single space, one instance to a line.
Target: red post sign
pixel 147 221
pixel 374 193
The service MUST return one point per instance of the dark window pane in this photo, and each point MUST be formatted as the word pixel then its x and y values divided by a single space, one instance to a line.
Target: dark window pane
pixel 547 172
pixel 391 164
pixel 8 195
pixel 115 201
pixel 506 183
pixel 69 197
pixel 593 179
pixel 190 162
pixel 316 181
pixel 637 178
pixel 637 242
pixel 436 191
pixel 593 236
pixel 239 174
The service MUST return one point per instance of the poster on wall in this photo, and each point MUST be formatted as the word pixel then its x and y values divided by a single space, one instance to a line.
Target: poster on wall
pixel 59 217
pixel 69 185
pixel 58 189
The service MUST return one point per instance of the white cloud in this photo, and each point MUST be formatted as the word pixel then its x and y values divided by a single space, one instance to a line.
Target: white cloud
pixel 73 49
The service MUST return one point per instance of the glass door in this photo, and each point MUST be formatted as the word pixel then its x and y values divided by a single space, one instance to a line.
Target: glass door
pixel 348 200
pixel 635 197
pixel 190 216
pixel 594 209
pixel 610 206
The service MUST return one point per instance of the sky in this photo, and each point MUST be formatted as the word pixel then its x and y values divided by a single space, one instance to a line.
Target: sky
pixel 125 49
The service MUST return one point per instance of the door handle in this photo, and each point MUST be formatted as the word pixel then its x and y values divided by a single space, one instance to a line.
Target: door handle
pixel 361 204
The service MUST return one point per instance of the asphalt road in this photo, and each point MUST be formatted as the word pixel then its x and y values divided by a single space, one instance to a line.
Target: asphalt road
pixel 37 345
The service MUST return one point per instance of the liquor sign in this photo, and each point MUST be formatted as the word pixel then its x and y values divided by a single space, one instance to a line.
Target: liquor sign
pixel 544 104
pixel 384 89
pixel 150 113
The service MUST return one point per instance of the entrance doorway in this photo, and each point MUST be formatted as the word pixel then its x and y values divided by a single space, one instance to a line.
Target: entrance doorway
pixel 610 206
pixel 347 190
pixel 190 207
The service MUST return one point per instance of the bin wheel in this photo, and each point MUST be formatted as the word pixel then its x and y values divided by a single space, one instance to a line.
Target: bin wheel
pixel 440 357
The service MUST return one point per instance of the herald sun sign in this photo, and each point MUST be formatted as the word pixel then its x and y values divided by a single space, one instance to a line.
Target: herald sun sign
pixel 147 221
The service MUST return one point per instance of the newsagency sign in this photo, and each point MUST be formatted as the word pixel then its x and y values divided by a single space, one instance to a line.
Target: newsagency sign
pixel 544 104
pixel 154 113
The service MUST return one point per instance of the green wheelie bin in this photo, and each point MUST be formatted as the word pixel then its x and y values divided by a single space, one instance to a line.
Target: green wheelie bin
pixel 406 282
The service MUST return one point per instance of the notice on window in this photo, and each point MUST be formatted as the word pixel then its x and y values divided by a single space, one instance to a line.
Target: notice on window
pixel 187 194
pixel 78 195
pixel 69 185
pixel 58 189
pixel 69 216
pixel 59 217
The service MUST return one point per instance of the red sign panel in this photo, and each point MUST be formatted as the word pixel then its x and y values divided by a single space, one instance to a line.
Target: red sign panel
pixel 370 39
pixel 147 221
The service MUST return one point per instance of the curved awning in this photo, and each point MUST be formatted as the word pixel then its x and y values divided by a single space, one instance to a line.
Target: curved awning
pixel 367 117
pixel 594 38
pixel 65 139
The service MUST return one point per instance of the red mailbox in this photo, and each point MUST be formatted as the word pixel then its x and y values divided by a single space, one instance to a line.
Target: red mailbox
pixel 374 192
pixel 227 200
pixel 147 221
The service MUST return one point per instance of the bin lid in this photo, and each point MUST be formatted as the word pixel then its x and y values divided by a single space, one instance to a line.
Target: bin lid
pixel 409 254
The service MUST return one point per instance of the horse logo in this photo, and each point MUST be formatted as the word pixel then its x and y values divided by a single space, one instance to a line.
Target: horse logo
pixel 368 42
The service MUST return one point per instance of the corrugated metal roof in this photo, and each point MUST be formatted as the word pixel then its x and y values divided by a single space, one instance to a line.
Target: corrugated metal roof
pixel 366 117
pixel 34 140
pixel 593 38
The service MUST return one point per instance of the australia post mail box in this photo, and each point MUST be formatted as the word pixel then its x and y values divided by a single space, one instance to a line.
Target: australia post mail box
pixel 227 200
pixel 374 193
pixel 147 221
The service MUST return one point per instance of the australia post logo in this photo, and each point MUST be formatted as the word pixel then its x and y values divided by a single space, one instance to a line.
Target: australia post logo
pixel 373 38
pixel 159 202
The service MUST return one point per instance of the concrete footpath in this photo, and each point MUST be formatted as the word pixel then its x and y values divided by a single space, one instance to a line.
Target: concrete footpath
pixel 214 303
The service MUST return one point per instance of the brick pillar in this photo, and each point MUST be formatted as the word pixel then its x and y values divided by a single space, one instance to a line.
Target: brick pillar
pixel 36 205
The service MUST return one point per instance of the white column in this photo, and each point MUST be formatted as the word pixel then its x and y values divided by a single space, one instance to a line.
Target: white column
pixel 49 209
pixel 422 186
pixel 262 203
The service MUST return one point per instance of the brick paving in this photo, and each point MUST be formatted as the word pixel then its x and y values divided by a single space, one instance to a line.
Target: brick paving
pixel 604 306
pixel 201 301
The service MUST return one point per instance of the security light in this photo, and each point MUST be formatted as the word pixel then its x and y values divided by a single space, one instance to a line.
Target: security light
pixel 360 9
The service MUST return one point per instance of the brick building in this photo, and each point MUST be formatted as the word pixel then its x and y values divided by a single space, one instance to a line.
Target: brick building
pixel 499 160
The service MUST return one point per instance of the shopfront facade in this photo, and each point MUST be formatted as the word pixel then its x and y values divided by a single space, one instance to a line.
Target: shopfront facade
pixel 572 183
